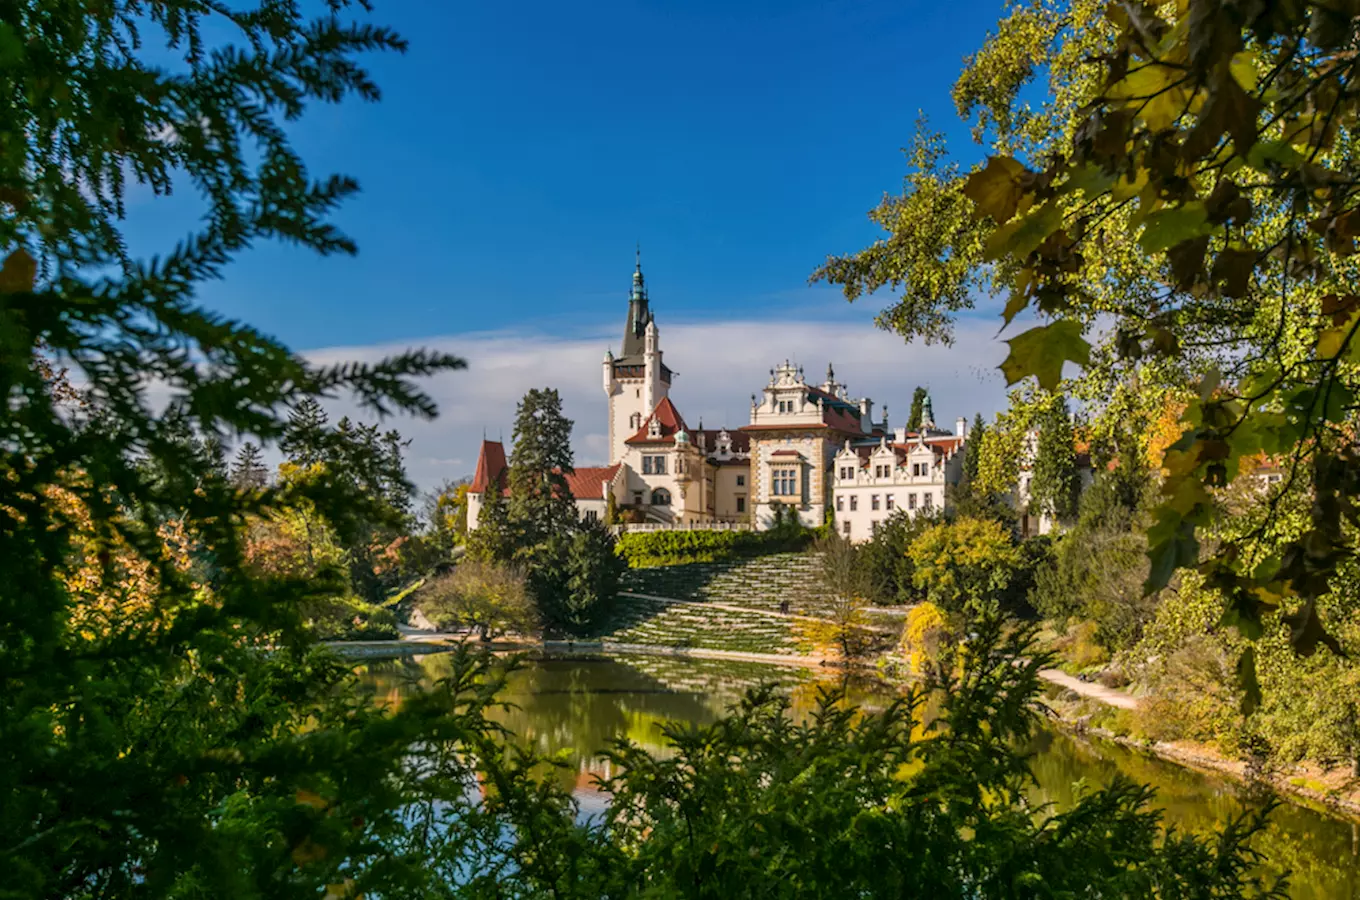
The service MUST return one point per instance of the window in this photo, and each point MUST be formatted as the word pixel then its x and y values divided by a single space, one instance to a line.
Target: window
pixel 653 465
pixel 637 498
pixel 911 501
pixel 927 501
pixel 873 502
pixel 918 469
pixel 873 527
pixel 785 482
pixel 741 504
pixel 661 497
pixel 741 481
pixel 854 503
pixel 635 421
pixel 840 504
pixel 882 471
pixel 845 527
pixel 888 501
pixel 592 516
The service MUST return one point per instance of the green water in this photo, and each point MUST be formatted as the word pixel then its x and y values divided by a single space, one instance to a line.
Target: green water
pixel 579 704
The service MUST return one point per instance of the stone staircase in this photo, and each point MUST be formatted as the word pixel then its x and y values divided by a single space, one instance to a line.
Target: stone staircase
pixel 760 583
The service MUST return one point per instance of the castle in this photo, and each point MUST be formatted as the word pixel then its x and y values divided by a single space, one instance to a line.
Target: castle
pixel 809 451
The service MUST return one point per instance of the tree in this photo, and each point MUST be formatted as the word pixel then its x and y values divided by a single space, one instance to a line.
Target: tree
pixel 495 538
pixel 885 560
pixel 170 757
pixel 574 577
pixel 541 504
pixel 964 566
pixel 918 399
pixel 1055 481
pixel 1193 192
pixel 846 582
pixel 491 598
pixel 248 471
pixel 306 440
pixel 445 516
pixel 972 449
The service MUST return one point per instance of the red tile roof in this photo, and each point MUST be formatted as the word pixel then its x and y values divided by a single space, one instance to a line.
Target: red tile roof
pixel 588 483
pixel 585 483
pixel 490 464
pixel 671 422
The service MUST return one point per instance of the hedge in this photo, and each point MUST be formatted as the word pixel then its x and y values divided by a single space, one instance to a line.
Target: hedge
pixel 643 549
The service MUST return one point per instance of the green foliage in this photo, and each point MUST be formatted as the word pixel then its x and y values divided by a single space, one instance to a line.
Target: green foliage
pixel 490 598
pixel 574 577
pixel 644 549
pixel 846 582
pixel 541 505
pixel 885 557
pixel 918 399
pixel 1100 564
pixel 158 734
pixel 495 538
pixel 964 566
pixel 1055 481
pixel 893 803
pixel 248 471
pixel 347 618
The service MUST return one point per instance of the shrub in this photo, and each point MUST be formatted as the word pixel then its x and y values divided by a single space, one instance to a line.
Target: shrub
pixel 924 638
pixel 348 618
pixel 964 566
pixel 574 578
pixel 645 549
pixel 489 597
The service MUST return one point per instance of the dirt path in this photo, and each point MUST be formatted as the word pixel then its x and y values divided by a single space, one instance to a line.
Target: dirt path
pixel 1089 689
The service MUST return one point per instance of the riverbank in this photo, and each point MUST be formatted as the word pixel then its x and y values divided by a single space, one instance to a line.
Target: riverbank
pixel 1335 793
pixel 656 625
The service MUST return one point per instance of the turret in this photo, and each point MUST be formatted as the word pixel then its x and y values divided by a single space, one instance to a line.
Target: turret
pixel 651 357
pixel 961 427
pixel 608 366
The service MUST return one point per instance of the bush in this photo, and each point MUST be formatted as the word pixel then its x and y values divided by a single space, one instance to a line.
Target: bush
pixel 347 618
pixel 574 578
pixel 489 597
pixel 886 561
pixel 924 638
pixel 646 549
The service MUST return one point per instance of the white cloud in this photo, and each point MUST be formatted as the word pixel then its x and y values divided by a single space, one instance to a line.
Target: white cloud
pixel 720 363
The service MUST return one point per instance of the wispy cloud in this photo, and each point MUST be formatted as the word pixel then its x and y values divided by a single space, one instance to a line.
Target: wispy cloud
pixel 720 364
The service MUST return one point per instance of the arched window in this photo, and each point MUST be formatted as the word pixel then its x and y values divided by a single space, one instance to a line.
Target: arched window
pixel 661 497
pixel 635 420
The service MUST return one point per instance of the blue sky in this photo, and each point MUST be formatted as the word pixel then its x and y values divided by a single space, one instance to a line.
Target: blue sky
pixel 520 150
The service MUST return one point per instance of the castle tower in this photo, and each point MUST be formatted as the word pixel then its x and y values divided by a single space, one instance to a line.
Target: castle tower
pixel 637 379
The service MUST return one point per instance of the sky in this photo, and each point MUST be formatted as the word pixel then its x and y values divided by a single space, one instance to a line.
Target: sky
pixel 521 151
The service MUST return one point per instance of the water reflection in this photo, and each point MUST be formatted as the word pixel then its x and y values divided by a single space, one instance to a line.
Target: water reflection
pixel 576 705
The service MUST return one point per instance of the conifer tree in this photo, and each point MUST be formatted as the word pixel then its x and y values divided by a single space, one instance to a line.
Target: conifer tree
pixel 918 400
pixel 493 536
pixel 541 504
pixel 1055 485
pixel 305 440
pixel 248 471
pixel 972 448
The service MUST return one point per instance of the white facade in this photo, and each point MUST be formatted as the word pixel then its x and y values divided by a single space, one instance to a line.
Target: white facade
pixel 872 482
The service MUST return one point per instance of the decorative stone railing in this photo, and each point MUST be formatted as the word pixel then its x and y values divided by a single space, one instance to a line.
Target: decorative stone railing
pixel 671 526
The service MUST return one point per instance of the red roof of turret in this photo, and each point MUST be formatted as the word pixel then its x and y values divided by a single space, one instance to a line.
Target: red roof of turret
pixel 490 465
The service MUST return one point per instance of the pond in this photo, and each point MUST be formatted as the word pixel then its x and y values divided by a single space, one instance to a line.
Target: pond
pixel 578 704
